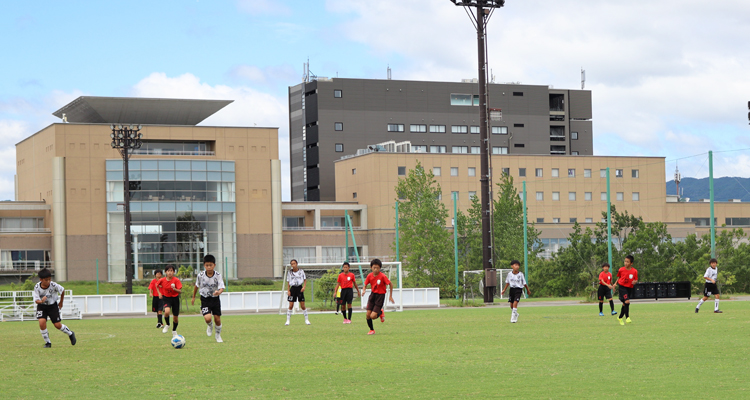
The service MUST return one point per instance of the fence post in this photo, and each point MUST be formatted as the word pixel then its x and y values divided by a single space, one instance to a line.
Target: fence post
pixel 711 199
pixel 609 223
pixel 455 236
pixel 97 276
pixel 525 240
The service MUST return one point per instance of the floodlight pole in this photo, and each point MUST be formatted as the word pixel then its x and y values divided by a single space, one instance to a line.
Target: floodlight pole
pixel 126 139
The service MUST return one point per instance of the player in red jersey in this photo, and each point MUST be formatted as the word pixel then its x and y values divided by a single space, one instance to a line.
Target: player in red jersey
pixel 156 304
pixel 346 281
pixel 169 289
pixel 605 289
pixel 375 303
pixel 628 276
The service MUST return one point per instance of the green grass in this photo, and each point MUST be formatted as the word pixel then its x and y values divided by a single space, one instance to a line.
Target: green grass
pixel 563 352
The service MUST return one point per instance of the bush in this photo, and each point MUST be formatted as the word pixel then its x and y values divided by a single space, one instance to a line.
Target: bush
pixel 256 281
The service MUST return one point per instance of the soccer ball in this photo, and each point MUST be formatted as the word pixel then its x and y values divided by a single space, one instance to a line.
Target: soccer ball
pixel 178 342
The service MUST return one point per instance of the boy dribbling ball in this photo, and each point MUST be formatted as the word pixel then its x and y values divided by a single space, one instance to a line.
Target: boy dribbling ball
pixel 517 282
pixel 45 296
pixel 211 286
pixel 169 289
pixel 710 287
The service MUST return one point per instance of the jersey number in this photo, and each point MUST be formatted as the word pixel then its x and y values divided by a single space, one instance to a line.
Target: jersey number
pixel 40 314
pixel 204 310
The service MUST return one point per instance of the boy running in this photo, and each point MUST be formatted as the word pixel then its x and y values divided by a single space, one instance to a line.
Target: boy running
pixel 628 276
pixel 296 292
pixel 45 296
pixel 605 289
pixel 517 282
pixel 156 305
pixel 169 289
pixel 710 287
pixel 344 284
pixel 211 285
pixel 376 301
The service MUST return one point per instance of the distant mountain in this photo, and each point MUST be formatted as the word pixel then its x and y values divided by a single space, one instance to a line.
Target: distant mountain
pixel 724 188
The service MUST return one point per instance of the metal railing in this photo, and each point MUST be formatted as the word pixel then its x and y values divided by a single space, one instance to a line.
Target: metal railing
pixel 24 230
pixel 159 152
pixel 24 266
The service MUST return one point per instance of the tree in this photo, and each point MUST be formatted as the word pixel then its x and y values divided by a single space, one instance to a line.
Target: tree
pixel 425 243
pixel 507 226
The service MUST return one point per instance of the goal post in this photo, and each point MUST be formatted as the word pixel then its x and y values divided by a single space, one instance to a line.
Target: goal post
pixel 391 269
pixel 468 282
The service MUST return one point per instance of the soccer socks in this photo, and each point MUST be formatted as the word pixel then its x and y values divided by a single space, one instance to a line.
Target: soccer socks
pixel 174 327
pixel 166 319
pixel 600 306
pixel 350 314
pixel 305 312
pixel 45 335
pixel 210 324
pixel 627 311
pixel 716 305
pixel 700 303
pixel 343 312
pixel 64 329
pixel 369 323
pixel 218 329
pixel 288 316
pixel 623 310
pixel 611 305
pixel 159 318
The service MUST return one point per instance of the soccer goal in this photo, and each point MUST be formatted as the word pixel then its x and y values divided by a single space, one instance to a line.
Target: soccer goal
pixel 474 283
pixel 314 271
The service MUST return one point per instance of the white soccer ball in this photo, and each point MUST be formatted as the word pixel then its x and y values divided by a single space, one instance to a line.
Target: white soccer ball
pixel 178 342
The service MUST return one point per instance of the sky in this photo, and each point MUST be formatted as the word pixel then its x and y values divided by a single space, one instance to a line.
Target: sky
pixel 668 78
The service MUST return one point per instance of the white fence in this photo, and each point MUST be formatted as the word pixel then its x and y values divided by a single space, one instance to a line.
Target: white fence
pixel 19 306
pixel 251 301
pixel 112 304
pixel 416 297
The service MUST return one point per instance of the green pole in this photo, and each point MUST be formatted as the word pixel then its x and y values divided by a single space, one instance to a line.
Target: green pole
pixel 356 252
pixel 455 237
pixel 226 273
pixel 346 235
pixel 711 197
pixel 97 276
pixel 525 238
pixel 398 252
pixel 609 223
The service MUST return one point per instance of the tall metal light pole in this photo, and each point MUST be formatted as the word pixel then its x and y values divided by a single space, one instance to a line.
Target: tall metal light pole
pixel 484 10
pixel 126 139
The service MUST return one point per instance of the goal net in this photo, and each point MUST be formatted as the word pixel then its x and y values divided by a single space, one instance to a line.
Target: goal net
pixel 474 284
pixel 321 280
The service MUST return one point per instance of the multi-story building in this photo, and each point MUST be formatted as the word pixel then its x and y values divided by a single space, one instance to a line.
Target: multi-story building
pixel 329 118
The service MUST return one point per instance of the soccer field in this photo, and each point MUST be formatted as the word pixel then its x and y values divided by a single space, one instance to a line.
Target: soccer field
pixel 558 352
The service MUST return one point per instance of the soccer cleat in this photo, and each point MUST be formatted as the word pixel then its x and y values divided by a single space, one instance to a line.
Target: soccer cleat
pixel 345 321
pixel 174 333
pixel 718 312
pixel 287 323
pixel 382 317
pixel 601 314
pixel 621 321
pixel 209 331
pixel 372 332
pixel 47 345
pixel 696 310
pixel 166 329
pixel 307 322
pixel 614 312
pixel 158 325
pixel 72 338
pixel 628 320
pixel 218 339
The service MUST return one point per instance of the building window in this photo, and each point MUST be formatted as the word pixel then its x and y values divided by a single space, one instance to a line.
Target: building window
pixel 499 130
pixel 602 173
pixel 438 149
pixel 395 127
pixel 555 172
pixel 589 220
pixel 454 171
pixel 454 195
pixel 518 125
pixel 555 220
pixel 519 145
pixel 459 129
pixel 476 150
pixel 737 221
pixel 436 171
pixel 338 126
pixel 604 196
pixel 354 171
pixel 506 171
pixel 460 149
pixel 572 196
pixel 294 222
pixel 571 173
pixel 555 196
pixel 458 99
pixel 540 220
pixel 620 196
pixel 636 196
pixel 634 173
pixel 587 196
pixel 557 150
pixel 573 220
pixel 573 135
pixel 517 93
pixel 337 93
pixel 401 171
pixel 472 195
pixel 618 173
pixel 573 153
pixel 472 171
pixel 499 150
pixel 557 133
pixel 474 129
pixel 440 196
pixel 539 172
pixel 419 149
pixel 437 128
pixel 539 196
pixel 354 195
pixel 522 172
pixel 417 128
pixel 339 147
pixel 587 173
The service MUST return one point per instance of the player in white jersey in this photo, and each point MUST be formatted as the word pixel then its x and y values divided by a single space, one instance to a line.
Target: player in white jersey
pixel 517 282
pixel 296 292
pixel 710 288
pixel 210 285
pixel 47 306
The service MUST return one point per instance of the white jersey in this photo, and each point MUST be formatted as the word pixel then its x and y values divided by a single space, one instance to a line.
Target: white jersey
pixel 712 273
pixel 296 278
pixel 208 285
pixel 515 280
pixel 52 292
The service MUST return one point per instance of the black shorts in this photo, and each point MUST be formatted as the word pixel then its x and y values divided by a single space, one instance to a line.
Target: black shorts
pixel 173 303
pixel 603 292
pixel 296 294
pixel 626 293
pixel 210 305
pixel 51 311
pixel 515 294
pixel 156 304
pixel 710 289
pixel 375 302
pixel 347 296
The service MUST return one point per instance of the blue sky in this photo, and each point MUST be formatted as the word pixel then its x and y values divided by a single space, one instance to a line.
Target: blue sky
pixel 669 78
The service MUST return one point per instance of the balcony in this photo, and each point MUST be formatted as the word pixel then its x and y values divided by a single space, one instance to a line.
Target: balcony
pixel 25 230
pixel 164 152
pixel 24 267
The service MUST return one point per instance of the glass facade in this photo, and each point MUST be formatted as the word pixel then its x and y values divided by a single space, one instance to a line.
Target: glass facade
pixel 180 211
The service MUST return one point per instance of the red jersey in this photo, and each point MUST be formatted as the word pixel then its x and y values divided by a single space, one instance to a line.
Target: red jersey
pixel 605 278
pixel 627 276
pixel 165 286
pixel 152 287
pixel 346 281
pixel 379 283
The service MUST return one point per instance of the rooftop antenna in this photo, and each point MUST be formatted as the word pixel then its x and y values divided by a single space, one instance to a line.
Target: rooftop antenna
pixel 583 78
pixel 389 72
pixel 492 77
pixel 308 76
pixel 677 179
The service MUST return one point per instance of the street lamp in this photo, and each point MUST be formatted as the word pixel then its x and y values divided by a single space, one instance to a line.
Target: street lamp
pixel 126 138
pixel 480 12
